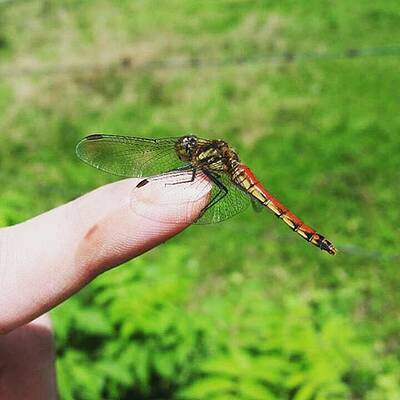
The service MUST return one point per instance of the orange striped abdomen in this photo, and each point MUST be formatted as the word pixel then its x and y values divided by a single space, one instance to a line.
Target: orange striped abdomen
pixel 244 177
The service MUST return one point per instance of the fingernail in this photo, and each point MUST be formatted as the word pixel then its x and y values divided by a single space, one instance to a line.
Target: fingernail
pixel 172 198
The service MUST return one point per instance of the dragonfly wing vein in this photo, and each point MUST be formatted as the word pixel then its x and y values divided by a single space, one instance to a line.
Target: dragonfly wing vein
pixel 129 156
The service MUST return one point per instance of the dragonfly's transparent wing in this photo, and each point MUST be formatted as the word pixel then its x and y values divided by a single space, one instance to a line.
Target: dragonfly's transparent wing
pixel 222 207
pixel 128 155
pixel 257 206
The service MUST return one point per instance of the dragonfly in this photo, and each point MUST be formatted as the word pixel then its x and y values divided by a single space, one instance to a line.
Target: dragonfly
pixel 233 185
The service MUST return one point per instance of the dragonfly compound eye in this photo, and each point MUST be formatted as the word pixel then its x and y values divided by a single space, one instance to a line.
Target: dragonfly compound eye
pixel 190 141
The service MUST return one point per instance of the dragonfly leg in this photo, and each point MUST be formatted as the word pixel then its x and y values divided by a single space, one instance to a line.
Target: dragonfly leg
pixel 185 168
pixel 223 191
pixel 170 173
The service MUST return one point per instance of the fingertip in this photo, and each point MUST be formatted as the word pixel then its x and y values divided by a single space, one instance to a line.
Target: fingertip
pixel 147 216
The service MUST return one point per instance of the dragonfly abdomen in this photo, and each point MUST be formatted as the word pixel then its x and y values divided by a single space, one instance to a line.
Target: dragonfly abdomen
pixel 245 178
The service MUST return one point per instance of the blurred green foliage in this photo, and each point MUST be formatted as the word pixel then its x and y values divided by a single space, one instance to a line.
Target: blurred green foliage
pixel 245 309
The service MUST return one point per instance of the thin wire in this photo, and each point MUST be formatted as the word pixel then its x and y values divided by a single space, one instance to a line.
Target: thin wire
pixel 345 249
pixel 232 3
pixel 129 63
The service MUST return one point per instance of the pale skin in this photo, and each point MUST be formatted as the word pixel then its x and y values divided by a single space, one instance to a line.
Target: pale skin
pixel 47 259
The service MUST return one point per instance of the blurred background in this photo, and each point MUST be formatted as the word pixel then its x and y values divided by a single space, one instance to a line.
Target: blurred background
pixel 308 93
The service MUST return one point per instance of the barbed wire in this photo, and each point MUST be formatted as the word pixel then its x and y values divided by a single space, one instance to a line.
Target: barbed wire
pixel 130 63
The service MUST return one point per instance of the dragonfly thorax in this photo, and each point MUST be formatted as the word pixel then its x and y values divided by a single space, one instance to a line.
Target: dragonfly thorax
pixel 212 155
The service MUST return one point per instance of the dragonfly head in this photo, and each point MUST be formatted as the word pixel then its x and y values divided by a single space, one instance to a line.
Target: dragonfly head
pixel 186 146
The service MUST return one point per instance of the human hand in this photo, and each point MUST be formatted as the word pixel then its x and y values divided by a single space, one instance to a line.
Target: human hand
pixel 45 260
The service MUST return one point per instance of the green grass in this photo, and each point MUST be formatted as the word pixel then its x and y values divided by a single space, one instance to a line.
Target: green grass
pixel 323 135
